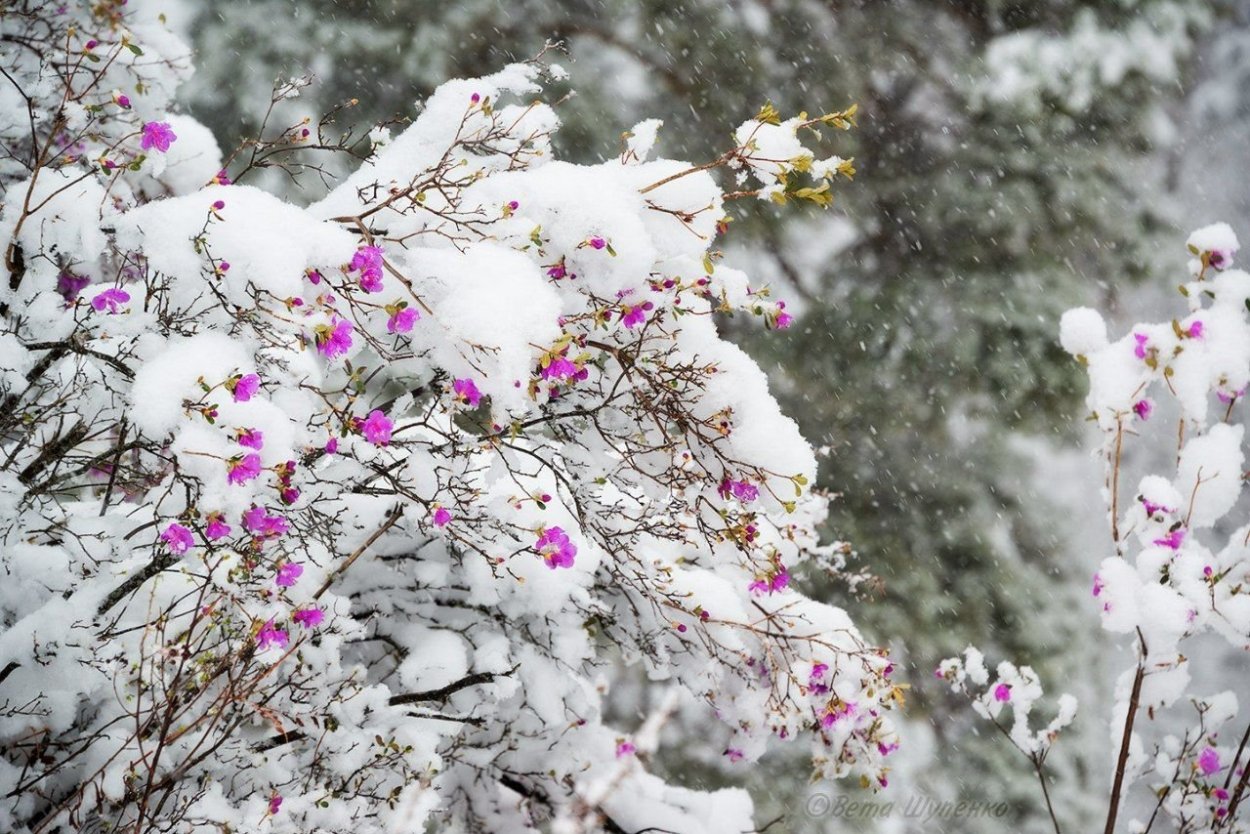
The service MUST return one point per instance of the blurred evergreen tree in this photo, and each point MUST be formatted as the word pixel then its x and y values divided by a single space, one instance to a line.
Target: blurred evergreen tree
pixel 1006 152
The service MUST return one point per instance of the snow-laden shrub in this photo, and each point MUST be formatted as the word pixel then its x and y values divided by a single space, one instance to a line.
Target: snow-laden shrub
pixel 338 518
pixel 1180 567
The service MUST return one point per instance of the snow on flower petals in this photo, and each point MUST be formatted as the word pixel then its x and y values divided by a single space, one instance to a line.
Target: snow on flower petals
pixel 158 136
pixel 554 546
pixel 178 538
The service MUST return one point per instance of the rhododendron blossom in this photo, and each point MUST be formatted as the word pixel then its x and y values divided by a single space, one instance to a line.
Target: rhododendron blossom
pixel 157 136
pixel 178 538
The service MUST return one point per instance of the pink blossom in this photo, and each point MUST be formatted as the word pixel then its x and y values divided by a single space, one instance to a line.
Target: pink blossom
pixel 268 636
pixel 110 299
pixel 1209 761
pixel 178 538
pixel 262 525
pixel 815 681
pixel 734 754
pixel 1143 408
pixel 780 581
pixel 633 316
pixel 1173 539
pixel 332 446
pixel 122 100
pixel 310 617
pixel 1221 258
pixel 442 517
pixel 1098 586
pixel 377 428
pixel 466 392
pixel 275 801
pixel 251 438
pixel 597 242
pixel 1195 330
pixel 368 262
pixel 158 135
pixel 557 272
pixel 335 339
pixel 560 367
pixel 217 528
pixel 70 285
pixel 288 574
pixel 402 320
pixel 624 748
pixel 1142 341
pixel 1153 509
pixel 1002 693
pixel 245 387
pixel 742 490
pixel 783 319
pixel 554 546
pixel 243 469
pixel 221 178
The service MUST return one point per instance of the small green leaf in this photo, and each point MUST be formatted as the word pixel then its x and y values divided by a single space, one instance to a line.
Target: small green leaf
pixel 135 49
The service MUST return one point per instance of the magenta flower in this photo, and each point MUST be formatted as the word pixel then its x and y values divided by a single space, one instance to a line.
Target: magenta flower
pixel 1142 342
pixel 734 754
pixel 158 135
pixel 402 320
pixel 334 339
pixel 70 285
pixel 332 446
pixel 217 528
pixel 1153 509
pixel 244 387
pixel 111 300
pixel 557 272
pixel 636 315
pixel 1098 586
pixel 1209 761
pixel 554 546
pixel 220 178
pixel 268 636
pixel 1221 258
pixel 442 517
pixel 780 581
pixel 742 490
pixel 368 262
pixel 597 242
pixel 251 438
pixel 466 392
pixel 1002 693
pixel 1195 330
pixel 815 681
pixel 288 574
pixel 1143 408
pixel 178 538
pixel 243 469
pixel 1173 539
pixel 275 801
pixel 122 100
pixel 559 368
pixel 625 748
pixel 309 617
pixel 376 428
pixel 783 318
pixel 262 525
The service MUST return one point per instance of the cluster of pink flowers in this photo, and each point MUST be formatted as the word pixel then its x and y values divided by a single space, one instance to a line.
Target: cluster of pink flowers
pixel 368 262
pixel 554 546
